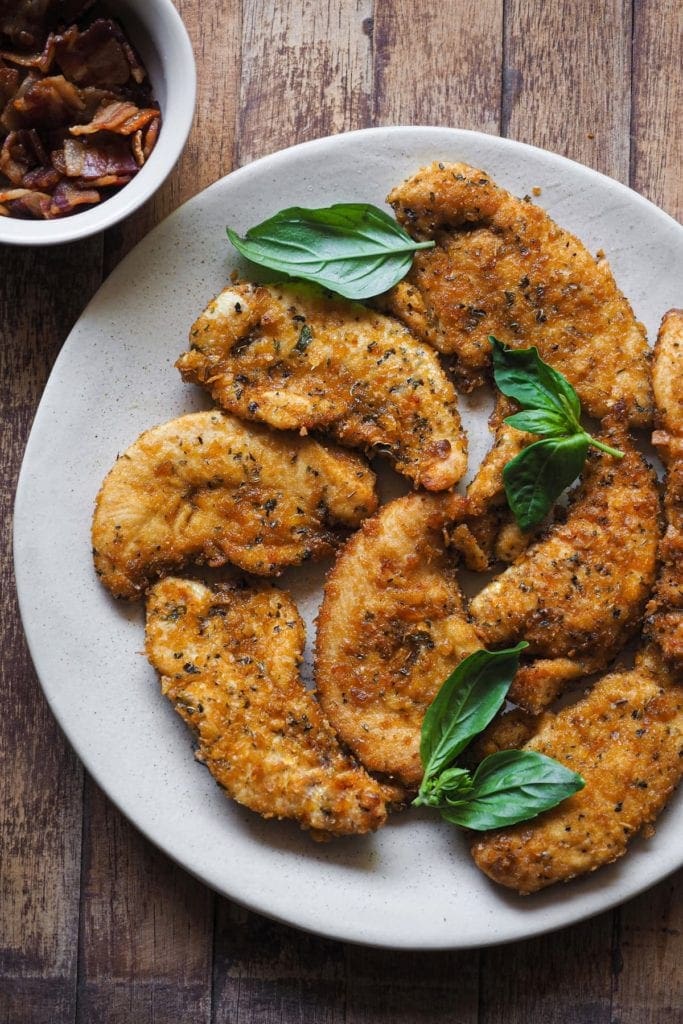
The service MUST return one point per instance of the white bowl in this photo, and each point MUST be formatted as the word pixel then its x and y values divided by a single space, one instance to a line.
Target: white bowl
pixel 157 32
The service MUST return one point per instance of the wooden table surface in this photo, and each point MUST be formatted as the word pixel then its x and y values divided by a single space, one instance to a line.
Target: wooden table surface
pixel 95 924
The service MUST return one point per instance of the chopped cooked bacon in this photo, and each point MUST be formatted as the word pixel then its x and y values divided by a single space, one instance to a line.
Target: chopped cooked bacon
pixel 43 179
pixel 24 22
pixel 42 60
pixel 97 158
pixel 76 111
pixel 67 196
pixel 94 57
pixel 107 181
pixel 136 67
pixel 49 102
pixel 21 152
pixel 24 202
pixel 9 83
pixel 122 118
pixel 27 22
pixel 151 136
pixel 94 97
pixel 136 143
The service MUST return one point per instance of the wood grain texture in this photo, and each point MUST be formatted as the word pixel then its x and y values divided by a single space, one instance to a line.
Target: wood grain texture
pixel 107 929
pixel 567 81
pixel 648 980
pixel 146 934
pixel 402 988
pixel 267 972
pixel 306 72
pixel 648 946
pixel 40 778
pixel 438 63
pixel 539 979
pixel 657 138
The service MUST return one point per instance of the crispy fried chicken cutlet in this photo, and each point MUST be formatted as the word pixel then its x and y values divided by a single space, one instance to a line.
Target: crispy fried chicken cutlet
pixel 664 623
pixel 626 739
pixel 391 628
pixel 229 663
pixel 296 359
pixel 207 488
pixel 485 531
pixel 626 736
pixel 501 266
pixel 579 592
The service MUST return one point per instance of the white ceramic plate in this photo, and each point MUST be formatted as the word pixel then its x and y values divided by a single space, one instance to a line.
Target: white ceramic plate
pixel 413 884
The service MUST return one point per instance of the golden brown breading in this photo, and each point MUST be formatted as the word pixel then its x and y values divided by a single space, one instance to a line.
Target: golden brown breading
pixel 487 531
pixel 501 266
pixel 292 357
pixel 509 730
pixel 626 739
pixel 664 622
pixel 207 488
pixel 229 661
pixel 578 593
pixel 391 628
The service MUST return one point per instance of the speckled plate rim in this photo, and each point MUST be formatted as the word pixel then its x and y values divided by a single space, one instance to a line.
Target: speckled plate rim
pixel 412 886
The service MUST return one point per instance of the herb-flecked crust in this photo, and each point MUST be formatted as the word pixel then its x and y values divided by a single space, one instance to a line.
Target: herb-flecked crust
pixel 297 359
pixel 626 739
pixel 208 489
pixel 229 663
pixel 391 628
pixel 501 266
pixel 578 594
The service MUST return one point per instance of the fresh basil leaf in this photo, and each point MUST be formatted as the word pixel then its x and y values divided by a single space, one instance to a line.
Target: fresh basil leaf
pixel 539 474
pixel 452 784
pixel 539 421
pixel 354 249
pixel 465 704
pixel 513 786
pixel 521 374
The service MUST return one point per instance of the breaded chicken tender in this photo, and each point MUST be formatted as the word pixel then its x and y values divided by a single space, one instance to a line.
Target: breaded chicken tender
pixel 578 594
pixel 626 740
pixel 501 266
pixel 664 623
pixel 207 488
pixel 626 736
pixel 485 531
pixel 229 663
pixel 292 357
pixel 391 628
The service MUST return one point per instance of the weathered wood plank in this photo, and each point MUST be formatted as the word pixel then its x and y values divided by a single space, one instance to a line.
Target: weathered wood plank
pixel 307 72
pixel 657 139
pixel 41 294
pixel 567 79
pixel 215 30
pixel 438 63
pixel 402 988
pixel 146 928
pixel 554 97
pixel 648 981
pixel 558 979
pixel 648 951
pixel 146 944
pixel 267 972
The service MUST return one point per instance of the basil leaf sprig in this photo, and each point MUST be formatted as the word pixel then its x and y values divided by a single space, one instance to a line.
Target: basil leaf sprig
pixel 536 477
pixel 507 787
pixel 353 249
